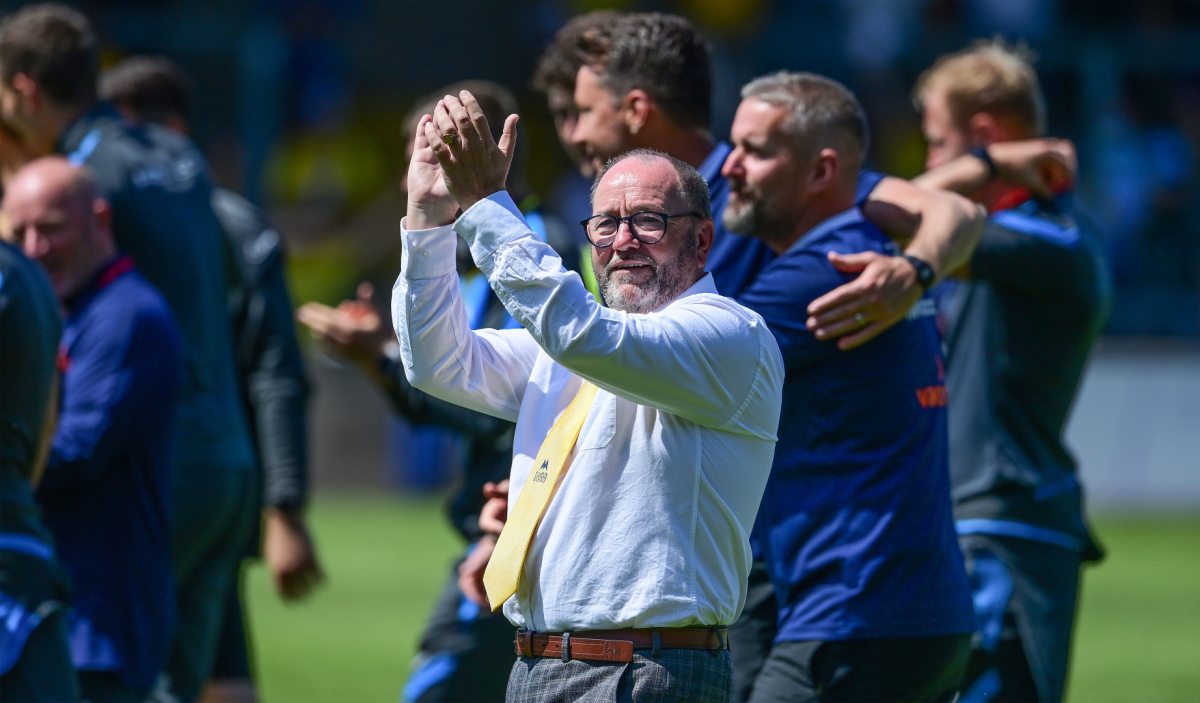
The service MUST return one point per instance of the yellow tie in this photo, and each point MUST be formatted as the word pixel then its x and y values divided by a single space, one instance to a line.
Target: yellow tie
pixel 503 572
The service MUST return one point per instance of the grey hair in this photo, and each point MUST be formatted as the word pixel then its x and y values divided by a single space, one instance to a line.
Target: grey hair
pixel 692 186
pixel 823 111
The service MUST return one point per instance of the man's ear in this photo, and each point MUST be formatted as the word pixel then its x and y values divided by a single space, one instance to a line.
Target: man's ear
pixel 825 169
pixel 704 240
pixel 102 211
pixel 635 109
pixel 27 88
pixel 983 129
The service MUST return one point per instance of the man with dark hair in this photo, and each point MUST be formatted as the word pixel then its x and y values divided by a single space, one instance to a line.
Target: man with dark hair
pixel 554 76
pixel 855 526
pixel 47 50
pixel 463 654
pixel 110 462
pixel 161 198
pixel 644 80
pixel 1020 326
pixel 271 368
pixel 150 89
pixel 35 661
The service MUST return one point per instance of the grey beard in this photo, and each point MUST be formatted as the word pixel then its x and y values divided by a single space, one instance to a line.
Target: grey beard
pixel 742 220
pixel 751 221
pixel 670 280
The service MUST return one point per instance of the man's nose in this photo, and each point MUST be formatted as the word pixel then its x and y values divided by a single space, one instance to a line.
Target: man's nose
pixel 574 130
pixel 36 245
pixel 732 165
pixel 625 240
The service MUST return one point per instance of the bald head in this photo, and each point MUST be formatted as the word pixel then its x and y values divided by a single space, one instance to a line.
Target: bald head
pixel 53 176
pixel 54 214
pixel 644 270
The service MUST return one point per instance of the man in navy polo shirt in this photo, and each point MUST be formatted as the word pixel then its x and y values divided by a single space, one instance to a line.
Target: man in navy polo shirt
pixel 104 495
pixel 855 526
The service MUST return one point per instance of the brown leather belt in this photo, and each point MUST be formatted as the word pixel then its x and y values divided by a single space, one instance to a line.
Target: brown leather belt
pixel 617 645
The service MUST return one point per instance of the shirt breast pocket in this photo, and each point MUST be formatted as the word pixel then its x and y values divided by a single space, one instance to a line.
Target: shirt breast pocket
pixel 601 423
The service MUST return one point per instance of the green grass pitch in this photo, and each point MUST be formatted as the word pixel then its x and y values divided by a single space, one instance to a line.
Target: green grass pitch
pixel 1138 637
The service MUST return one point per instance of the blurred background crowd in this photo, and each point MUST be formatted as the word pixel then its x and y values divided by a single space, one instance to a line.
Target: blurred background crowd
pixel 299 104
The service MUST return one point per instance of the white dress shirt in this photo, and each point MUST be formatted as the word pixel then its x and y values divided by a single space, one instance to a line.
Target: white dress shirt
pixel 650 522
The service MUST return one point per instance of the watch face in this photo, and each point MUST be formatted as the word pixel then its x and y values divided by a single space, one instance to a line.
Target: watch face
pixel 924 271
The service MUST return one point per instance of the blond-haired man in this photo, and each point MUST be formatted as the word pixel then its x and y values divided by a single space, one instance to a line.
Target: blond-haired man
pixel 1019 331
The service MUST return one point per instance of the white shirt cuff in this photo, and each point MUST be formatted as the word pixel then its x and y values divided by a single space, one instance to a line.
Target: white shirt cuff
pixel 428 253
pixel 489 223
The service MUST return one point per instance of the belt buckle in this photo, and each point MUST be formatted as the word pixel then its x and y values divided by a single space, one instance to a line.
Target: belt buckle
pixel 524 642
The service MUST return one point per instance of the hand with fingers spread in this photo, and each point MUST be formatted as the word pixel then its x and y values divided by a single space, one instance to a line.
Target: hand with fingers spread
pixel 354 329
pixel 883 293
pixel 473 165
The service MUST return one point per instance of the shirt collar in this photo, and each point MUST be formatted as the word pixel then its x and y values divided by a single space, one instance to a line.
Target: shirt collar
pixel 116 267
pixel 843 218
pixel 704 285
pixel 711 168
pixel 73 136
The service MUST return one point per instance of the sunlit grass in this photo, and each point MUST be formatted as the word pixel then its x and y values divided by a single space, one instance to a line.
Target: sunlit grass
pixel 1138 637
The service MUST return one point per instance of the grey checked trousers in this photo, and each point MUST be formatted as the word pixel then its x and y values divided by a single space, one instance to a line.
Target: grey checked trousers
pixel 691 675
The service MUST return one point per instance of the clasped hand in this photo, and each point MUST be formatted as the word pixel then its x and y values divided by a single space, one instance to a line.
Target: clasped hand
pixel 455 161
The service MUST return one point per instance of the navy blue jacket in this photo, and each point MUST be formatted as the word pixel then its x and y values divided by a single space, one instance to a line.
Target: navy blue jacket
pixel 158 185
pixel 855 525
pixel 106 489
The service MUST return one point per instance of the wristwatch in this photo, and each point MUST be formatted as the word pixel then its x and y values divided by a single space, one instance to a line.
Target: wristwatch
pixel 981 153
pixel 925 274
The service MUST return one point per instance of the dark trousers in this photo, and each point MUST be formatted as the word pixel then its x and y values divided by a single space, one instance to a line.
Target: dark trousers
pixel 211 522
pixel 43 670
pixel 1025 596
pixel 845 670
pixel 751 636
pixel 43 673
pixel 107 687
pixel 233 659
pixel 466 652
pixel 901 669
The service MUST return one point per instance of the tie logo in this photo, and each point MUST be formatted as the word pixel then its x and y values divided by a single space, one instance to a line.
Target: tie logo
pixel 542 473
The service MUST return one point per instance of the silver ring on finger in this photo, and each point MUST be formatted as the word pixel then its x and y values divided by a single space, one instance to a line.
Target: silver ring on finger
pixel 860 318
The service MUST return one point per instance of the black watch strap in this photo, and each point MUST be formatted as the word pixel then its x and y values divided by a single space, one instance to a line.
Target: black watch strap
pixel 981 153
pixel 925 274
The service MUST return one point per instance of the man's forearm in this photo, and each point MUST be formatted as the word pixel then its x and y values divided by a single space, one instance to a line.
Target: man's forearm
pixel 947 236
pixel 938 228
pixel 964 175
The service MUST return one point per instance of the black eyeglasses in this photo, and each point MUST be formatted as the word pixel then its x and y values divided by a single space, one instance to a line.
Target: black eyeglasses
pixel 647 227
